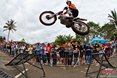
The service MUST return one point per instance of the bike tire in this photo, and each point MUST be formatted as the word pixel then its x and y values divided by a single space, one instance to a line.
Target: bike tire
pixel 44 23
pixel 80 32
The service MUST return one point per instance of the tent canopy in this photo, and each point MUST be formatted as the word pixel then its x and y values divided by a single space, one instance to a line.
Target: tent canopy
pixel 98 40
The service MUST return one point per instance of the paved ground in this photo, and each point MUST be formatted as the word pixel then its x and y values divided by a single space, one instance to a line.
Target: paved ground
pixel 51 72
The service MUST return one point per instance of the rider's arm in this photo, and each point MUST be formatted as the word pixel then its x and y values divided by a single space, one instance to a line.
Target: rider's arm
pixel 65 11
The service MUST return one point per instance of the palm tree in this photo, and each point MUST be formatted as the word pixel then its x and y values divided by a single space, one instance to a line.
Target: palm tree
pixel 62 39
pixel 10 26
pixel 113 17
pixel 68 38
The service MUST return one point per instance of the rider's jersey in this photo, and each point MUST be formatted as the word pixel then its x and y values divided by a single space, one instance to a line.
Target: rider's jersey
pixel 74 10
pixel 72 6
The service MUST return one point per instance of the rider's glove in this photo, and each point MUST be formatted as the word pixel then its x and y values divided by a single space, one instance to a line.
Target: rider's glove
pixel 66 8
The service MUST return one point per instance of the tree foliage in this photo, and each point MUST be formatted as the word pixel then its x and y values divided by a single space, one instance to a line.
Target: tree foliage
pixel 107 30
pixel 61 39
pixel 2 38
pixel 94 29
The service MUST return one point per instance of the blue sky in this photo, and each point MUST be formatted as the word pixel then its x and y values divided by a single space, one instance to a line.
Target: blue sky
pixel 26 13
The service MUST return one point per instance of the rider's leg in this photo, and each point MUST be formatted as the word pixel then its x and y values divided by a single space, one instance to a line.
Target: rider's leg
pixel 75 12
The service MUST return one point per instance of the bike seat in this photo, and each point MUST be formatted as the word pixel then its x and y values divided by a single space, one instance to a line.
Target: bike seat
pixel 80 19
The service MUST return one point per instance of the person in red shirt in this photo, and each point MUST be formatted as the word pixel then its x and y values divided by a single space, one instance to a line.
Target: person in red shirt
pixel 72 8
pixel 48 51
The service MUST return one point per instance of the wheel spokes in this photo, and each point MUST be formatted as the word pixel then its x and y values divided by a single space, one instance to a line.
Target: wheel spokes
pixel 81 27
pixel 46 19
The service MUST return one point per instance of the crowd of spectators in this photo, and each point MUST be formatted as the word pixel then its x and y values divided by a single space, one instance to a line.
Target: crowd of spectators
pixel 71 53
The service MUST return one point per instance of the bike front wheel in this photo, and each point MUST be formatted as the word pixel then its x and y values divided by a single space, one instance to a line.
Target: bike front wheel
pixel 47 18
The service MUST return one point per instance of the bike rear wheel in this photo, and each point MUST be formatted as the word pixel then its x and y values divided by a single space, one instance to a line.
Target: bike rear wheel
pixel 47 18
pixel 80 28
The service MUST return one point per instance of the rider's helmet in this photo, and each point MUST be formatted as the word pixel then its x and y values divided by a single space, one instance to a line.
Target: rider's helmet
pixel 68 2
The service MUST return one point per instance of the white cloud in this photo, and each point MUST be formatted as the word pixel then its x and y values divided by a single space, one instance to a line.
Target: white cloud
pixel 26 13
